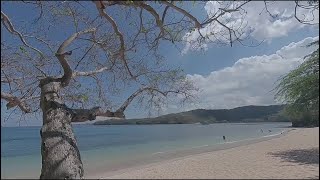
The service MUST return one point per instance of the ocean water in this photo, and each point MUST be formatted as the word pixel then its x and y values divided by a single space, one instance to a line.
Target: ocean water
pixel 115 146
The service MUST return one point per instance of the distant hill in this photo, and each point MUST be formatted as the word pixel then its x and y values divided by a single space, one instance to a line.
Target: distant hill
pixel 204 116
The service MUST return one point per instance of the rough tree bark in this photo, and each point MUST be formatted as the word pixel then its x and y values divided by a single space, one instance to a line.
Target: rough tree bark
pixel 60 154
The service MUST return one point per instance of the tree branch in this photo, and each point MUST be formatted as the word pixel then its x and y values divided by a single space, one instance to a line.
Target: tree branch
pixel 119 113
pixel 15 101
pixel 153 13
pixel 224 12
pixel 266 7
pixel 229 29
pixel 311 6
pixel 81 115
pixel 196 22
pixel 139 91
pixel 164 13
pixel 129 100
pixel 61 56
pixel 100 8
pixel 89 73
pixel 8 25
pixel 159 21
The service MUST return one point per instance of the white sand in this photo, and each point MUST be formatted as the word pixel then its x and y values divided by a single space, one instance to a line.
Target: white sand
pixel 294 155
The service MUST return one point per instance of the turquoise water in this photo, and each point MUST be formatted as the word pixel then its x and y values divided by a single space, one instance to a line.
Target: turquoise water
pixel 107 146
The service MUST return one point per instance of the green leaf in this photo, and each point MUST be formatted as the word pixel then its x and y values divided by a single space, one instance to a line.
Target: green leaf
pixel 299 89
pixel 143 30
pixel 23 50
pixel 85 98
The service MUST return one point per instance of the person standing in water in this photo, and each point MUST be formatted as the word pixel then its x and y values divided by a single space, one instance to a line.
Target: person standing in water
pixel 224 138
pixel 261 130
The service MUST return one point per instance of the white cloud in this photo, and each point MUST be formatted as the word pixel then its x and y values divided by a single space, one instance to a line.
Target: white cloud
pixel 256 22
pixel 250 80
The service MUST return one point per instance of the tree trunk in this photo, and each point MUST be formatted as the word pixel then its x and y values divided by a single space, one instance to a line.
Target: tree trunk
pixel 60 154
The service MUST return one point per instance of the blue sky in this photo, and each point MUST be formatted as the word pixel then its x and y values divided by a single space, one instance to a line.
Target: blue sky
pixel 218 67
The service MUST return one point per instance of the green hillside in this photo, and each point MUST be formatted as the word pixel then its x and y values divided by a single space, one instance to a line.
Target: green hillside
pixel 241 114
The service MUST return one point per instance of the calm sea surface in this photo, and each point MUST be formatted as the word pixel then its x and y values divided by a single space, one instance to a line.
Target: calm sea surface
pixel 102 146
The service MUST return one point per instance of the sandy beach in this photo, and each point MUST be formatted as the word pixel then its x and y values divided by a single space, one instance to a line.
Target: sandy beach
pixel 294 155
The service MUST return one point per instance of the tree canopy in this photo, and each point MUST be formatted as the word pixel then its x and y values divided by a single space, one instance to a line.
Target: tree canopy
pixel 300 90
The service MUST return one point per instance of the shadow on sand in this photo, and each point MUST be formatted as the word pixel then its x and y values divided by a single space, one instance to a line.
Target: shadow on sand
pixel 301 156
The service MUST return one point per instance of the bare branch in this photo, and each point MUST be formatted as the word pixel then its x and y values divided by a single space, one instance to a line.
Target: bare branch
pixel 113 45
pixel 61 56
pixel 89 73
pixel 224 11
pixel 15 101
pixel 84 56
pixel 81 115
pixel 8 25
pixel 266 8
pixel 153 13
pixel 196 22
pixel 139 91
pixel 229 29
pixel 41 40
pixel 129 100
pixel 312 7
pixel 102 13
pixel 164 13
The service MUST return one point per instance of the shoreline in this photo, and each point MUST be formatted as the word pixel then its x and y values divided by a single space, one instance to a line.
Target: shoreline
pixel 169 156
pixel 97 160
pixel 183 165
